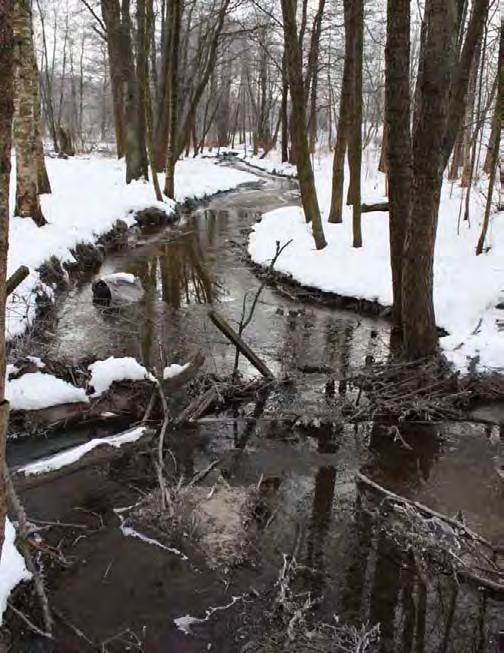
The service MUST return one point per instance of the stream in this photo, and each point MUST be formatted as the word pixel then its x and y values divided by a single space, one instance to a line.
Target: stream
pixel 126 593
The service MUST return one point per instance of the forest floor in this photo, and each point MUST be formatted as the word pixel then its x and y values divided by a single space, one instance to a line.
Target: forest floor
pixel 468 289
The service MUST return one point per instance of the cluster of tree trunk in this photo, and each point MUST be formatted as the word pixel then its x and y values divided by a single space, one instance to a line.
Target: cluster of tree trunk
pixel 417 159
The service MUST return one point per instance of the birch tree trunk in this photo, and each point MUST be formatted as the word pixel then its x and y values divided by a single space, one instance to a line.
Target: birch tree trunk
pixel 25 119
pixel 6 112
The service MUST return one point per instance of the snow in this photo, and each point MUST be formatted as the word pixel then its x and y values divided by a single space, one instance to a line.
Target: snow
pixel 37 361
pixel 36 390
pixel 70 456
pixel 12 567
pixel 467 287
pixel 128 531
pixel 186 622
pixel 89 196
pixel 104 373
pixel 173 370
pixel 120 276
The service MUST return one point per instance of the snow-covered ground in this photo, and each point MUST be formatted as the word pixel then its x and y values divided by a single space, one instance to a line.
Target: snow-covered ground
pixel 467 287
pixel 89 195
pixel 271 163
pixel 12 567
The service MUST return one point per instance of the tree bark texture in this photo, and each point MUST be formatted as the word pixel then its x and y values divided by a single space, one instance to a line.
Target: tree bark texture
pixel 355 136
pixel 111 13
pixel 398 150
pixel 6 113
pixel 173 66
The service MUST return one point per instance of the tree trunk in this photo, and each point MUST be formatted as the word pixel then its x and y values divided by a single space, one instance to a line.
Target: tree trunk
pixel 398 141
pixel 355 135
pixel 148 23
pixel 25 124
pixel 6 112
pixel 492 142
pixel 172 151
pixel 441 99
pixel 344 122
pixel 284 111
pixel 419 324
pixel 43 183
pixel 499 110
pixel 298 125
pixel 469 126
pixel 111 13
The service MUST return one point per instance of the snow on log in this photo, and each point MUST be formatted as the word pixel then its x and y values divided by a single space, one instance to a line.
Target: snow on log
pixel 93 452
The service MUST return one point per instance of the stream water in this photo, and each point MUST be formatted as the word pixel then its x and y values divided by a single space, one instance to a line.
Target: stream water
pixel 126 593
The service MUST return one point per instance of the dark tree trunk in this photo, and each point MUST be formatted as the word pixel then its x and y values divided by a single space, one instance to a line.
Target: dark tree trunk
pixel 284 111
pixel 172 152
pixel 298 125
pixel 398 149
pixel 499 110
pixel 419 324
pixel 111 13
pixel 6 113
pixel 355 135
pixel 492 142
pixel 135 147
pixel 344 122
pixel 162 108
pixel 441 99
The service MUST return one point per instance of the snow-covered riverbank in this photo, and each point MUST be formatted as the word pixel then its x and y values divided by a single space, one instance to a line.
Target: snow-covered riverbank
pixel 89 196
pixel 467 287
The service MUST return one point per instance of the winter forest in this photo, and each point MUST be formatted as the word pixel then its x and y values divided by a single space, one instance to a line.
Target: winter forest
pixel 252 326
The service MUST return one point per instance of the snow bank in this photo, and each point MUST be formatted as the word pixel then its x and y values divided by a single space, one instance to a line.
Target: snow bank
pixel 89 196
pixel 173 370
pixel 12 567
pixel 70 456
pixel 467 287
pixel 104 373
pixel 36 390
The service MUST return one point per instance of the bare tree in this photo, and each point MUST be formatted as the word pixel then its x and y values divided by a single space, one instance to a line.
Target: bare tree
pixel 6 113
pixel 298 126
pixel 398 150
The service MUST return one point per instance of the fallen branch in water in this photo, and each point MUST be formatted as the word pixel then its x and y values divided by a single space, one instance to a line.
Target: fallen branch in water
pixel 224 327
pixel 435 540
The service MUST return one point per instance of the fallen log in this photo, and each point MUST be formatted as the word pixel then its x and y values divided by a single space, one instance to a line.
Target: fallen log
pixel 85 455
pixel 16 278
pixel 371 208
pixel 224 327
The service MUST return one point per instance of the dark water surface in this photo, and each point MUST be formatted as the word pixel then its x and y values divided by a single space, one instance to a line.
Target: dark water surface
pixel 124 593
